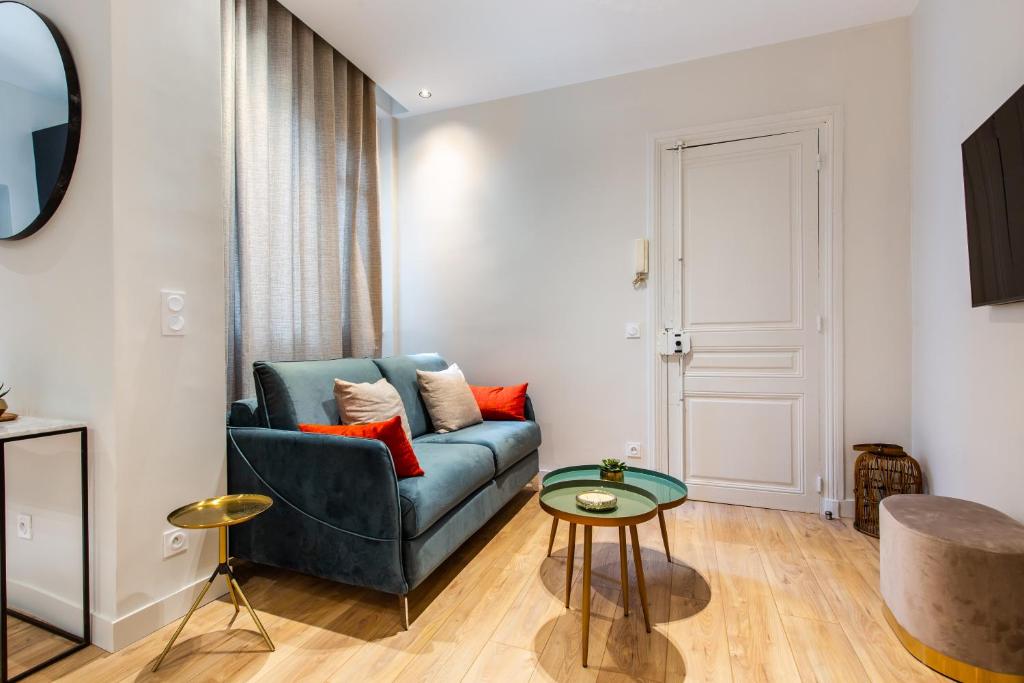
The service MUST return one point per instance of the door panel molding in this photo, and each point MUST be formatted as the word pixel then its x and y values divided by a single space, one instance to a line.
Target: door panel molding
pixel 788 268
pixel 746 361
pixel 796 471
pixel 665 214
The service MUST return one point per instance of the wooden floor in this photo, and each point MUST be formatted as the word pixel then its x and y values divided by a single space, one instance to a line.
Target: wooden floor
pixel 753 595
pixel 28 645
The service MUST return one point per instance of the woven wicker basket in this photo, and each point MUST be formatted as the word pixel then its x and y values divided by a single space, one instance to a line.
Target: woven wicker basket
pixel 881 470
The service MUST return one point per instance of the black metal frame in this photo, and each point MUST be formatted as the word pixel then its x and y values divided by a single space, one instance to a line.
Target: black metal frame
pixel 80 642
pixel 67 166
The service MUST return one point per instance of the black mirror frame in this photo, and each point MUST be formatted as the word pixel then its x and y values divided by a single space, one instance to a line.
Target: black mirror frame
pixel 67 166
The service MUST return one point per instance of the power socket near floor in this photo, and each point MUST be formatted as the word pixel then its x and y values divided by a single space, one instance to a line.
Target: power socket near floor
pixel 634 450
pixel 175 542
pixel 25 526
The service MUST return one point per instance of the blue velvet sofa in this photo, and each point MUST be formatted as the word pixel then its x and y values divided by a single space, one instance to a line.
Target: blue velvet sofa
pixel 340 512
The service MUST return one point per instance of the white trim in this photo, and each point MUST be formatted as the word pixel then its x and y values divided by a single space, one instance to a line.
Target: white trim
pixel 115 634
pixel 829 122
pixel 39 602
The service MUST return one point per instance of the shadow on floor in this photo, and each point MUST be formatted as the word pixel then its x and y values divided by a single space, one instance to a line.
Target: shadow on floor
pixel 237 645
pixel 676 581
pixel 347 611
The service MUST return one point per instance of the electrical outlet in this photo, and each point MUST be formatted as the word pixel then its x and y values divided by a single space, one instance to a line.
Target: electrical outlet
pixel 25 527
pixel 175 542
pixel 633 450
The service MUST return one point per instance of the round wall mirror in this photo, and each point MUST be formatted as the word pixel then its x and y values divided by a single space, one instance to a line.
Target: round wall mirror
pixel 41 115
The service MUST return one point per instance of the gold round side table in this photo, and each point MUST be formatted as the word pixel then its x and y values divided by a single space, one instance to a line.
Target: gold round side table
pixel 219 513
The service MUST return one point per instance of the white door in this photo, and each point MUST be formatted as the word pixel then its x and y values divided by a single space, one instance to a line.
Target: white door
pixel 748 296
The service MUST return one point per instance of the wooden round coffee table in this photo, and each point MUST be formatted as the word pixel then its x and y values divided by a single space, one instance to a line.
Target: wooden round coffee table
pixel 635 505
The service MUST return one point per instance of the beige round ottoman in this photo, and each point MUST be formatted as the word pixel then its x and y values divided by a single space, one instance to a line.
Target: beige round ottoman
pixel 952 576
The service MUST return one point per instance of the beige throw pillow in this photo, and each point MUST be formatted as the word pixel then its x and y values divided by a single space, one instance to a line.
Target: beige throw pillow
pixel 449 401
pixel 364 402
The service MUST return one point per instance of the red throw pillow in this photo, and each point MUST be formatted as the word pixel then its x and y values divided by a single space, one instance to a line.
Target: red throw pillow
pixel 389 431
pixel 501 403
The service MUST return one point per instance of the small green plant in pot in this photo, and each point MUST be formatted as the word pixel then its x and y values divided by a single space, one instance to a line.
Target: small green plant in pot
pixel 3 403
pixel 613 469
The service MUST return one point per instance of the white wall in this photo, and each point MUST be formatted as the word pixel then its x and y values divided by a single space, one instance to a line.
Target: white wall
pixel 23 112
pixel 44 573
pixel 516 220
pixel 967 59
pixel 81 334
pixel 56 340
pixel 169 392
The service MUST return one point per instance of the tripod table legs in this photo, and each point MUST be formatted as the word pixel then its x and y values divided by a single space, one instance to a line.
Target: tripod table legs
pixel 234 590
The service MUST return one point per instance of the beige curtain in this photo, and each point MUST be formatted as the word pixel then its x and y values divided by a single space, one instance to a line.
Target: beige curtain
pixel 302 216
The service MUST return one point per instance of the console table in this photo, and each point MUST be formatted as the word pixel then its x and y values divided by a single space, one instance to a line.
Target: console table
pixel 35 428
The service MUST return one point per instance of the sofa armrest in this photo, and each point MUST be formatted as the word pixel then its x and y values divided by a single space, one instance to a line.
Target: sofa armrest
pixel 243 414
pixel 528 410
pixel 345 483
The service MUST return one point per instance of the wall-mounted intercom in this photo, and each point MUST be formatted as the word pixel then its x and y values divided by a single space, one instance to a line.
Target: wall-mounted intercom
pixel 673 342
pixel 640 267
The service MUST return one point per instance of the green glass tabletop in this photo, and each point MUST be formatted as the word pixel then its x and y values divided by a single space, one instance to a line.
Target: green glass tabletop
pixel 635 504
pixel 668 490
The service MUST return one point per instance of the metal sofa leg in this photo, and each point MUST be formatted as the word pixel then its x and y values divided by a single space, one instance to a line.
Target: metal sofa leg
pixel 403 608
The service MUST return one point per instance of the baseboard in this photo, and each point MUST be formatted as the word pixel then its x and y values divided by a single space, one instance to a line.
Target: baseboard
pixel 847 508
pixel 113 635
pixel 40 603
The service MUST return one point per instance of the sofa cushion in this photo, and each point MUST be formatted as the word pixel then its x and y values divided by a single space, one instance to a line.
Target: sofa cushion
pixel 362 402
pixel 451 472
pixel 450 403
pixel 400 371
pixel 509 442
pixel 290 392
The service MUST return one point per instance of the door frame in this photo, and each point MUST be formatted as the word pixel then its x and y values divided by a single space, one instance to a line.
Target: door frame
pixel 829 123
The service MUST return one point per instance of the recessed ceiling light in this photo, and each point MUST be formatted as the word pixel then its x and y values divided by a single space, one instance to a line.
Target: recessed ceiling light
pixel 425 94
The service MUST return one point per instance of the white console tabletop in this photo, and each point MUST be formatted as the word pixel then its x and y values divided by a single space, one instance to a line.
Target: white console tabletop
pixel 28 426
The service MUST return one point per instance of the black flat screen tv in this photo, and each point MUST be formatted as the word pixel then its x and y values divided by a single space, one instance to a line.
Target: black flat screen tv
pixel 993 158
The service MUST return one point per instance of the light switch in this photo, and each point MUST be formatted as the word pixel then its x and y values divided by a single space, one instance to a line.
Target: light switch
pixel 172 312
pixel 632 330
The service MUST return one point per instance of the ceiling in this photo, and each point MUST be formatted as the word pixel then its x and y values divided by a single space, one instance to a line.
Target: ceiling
pixel 469 51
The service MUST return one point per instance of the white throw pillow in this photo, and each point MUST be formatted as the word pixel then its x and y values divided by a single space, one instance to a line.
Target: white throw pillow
pixel 449 401
pixel 360 403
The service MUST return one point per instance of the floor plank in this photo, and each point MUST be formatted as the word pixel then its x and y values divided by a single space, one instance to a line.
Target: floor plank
pixel 792 583
pixel 859 607
pixel 29 645
pixel 750 595
pixel 823 653
pixel 758 646
pixel 696 629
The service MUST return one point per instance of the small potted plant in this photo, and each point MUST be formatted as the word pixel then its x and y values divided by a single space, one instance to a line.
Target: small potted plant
pixel 613 469
pixel 3 403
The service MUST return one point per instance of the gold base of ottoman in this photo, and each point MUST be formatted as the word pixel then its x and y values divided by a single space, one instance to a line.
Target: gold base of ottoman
pixel 944 664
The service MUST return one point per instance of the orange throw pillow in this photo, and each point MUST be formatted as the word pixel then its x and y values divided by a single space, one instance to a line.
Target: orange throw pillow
pixel 389 431
pixel 501 403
